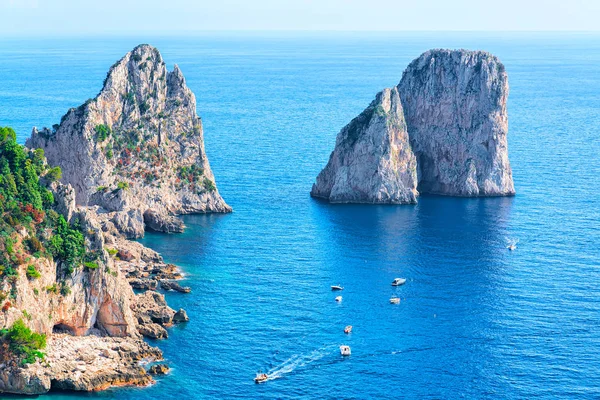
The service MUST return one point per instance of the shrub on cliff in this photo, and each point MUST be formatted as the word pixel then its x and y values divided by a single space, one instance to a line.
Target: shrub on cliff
pixel 54 174
pixel 24 343
pixel 209 185
pixel 68 244
pixel 102 132
pixel 122 185
pixel 32 272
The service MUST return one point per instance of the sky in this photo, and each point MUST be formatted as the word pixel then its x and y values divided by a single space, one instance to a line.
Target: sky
pixel 114 17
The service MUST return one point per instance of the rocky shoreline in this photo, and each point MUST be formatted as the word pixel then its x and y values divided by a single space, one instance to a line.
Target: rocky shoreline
pixel 82 363
pixel 132 159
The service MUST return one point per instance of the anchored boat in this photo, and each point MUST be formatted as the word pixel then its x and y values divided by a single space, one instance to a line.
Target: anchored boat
pixel 338 299
pixel 395 300
pixel 345 350
pixel 348 329
pixel 337 287
pixel 399 282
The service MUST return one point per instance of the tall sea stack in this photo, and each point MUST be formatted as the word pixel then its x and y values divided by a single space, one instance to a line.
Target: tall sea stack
pixel 455 109
pixel 372 161
pixel 454 105
pixel 137 149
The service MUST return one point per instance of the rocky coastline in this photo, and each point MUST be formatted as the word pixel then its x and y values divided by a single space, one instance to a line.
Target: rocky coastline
pixel 132 159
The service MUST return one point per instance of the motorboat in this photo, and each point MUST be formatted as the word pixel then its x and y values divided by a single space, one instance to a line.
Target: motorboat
pixel 337 287
pixel 395 300
pixel 261 377
pixel 399 282
pixel 512 247
pixel 338 299
pixel 348 329
pixel 345 350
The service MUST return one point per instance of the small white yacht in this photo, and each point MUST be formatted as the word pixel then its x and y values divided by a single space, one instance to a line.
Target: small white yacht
pixel 399 281
pixel 512 247
pixel 338 299
pixel 337 287
pixel 395 300
pixel 348 329
pixel 345 350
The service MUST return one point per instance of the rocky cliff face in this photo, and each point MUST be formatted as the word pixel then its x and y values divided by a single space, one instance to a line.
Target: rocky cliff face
pixel 94 335
pixel 131 159
pixel 372 161
pixel 455 135
pixel 137 149
pixel 455 108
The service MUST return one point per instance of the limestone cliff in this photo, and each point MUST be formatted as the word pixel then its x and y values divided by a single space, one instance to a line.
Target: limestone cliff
pixel 137 149
pixel 131 159
pixel 85 310
pixel 454 105
pixel 455 108
pixel 372 161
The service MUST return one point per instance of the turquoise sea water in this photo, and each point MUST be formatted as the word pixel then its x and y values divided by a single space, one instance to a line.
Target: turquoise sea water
pixel 475 321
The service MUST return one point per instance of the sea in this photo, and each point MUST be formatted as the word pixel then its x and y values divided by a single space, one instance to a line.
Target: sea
pixel 475 319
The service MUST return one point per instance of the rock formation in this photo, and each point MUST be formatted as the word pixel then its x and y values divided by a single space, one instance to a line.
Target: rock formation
pixel 137 149
pixel 372 161
pixel 131 159
pixel 85 314
pixel 455 108
pixel 454 105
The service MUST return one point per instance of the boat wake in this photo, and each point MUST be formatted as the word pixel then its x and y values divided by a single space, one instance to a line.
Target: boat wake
pixel 317 358
pixel 299 361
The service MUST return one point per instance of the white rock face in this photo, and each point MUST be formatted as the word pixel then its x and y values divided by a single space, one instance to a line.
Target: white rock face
pixel 455 108
pixel 454 140
pixel 141 133
pixel 372 161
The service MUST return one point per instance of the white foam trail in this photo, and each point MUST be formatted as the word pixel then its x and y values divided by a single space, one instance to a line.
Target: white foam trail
pixel 298 361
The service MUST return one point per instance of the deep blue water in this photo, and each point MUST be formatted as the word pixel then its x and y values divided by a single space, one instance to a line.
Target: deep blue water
pixel 475 321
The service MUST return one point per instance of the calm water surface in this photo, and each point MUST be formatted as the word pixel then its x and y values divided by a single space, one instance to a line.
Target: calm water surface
pixel 475 321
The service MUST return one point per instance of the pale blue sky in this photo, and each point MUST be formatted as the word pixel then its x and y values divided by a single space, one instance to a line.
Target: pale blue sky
pixel 85 17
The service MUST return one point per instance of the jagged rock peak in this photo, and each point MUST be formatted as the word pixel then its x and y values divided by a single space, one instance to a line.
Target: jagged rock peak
pixel 137 147
pixel 372 161
pixel 455 108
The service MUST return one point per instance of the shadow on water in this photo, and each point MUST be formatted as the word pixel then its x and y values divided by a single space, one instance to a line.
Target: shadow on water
pixel 451 250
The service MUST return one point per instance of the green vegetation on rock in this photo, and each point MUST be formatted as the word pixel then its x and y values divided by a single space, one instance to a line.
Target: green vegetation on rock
pixel 123 185
pixel 102 132
pixel 26 205
pixel 209 185
pixel 24 343
pixel 32 272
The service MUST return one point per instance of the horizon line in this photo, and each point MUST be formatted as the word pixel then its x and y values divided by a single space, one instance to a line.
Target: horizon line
pixel 200 32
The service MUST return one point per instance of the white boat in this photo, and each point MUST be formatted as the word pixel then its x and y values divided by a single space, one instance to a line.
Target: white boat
pixel 337 287
pixel 399 281
pixel 261 377
pixel 512 247
pixel 348 329
pixel 345 350
pixel 395 300
pixel 338 299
